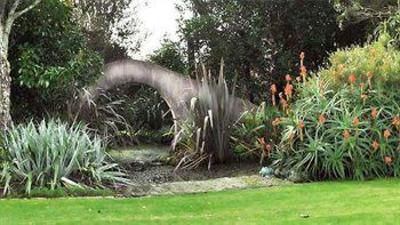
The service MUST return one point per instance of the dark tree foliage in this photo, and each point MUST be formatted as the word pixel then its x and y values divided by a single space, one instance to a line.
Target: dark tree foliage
pixel 373 16
pixel 365 11
pixel 170 56
pixel 109 29
pixel 10 11
pixel 50 60
pixel 261 40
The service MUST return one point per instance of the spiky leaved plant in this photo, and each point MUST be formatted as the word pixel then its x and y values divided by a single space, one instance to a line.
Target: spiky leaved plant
pixel 52 154
pixel 206 135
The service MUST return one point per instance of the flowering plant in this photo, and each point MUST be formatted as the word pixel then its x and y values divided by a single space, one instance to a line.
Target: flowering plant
pixel 344 122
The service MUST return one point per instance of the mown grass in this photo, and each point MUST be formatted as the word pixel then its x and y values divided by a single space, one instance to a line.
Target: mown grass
pixel 371 202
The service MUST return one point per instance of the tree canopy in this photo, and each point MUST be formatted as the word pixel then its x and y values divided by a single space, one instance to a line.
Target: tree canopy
pixel 261 40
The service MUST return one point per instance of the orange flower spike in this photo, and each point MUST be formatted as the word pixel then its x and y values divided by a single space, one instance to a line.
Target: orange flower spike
pixel 284 103
pixel 288 78
pixel 388 160
pixel 374 113
pixel 387 134
pixel 302 56
pixel 356 121
pixel 303 73
pixel 396 121
pixel 289 90
pixel 322 119
pixel 346 134
pixel 375 145
pixel 274 90
pixel 352 78
pixel 266 147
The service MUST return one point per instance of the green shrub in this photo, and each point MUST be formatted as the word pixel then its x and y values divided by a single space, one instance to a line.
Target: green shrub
pixel 391 28
pixel 53 154
pixel 376 60
pixel 344 123
pixel 51 61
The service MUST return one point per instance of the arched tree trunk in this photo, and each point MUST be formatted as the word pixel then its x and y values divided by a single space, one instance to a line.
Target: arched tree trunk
pixel 176 89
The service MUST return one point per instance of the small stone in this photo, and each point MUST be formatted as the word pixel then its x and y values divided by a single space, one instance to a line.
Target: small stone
pixel 303 215
pixel 266 172
pixel 295 177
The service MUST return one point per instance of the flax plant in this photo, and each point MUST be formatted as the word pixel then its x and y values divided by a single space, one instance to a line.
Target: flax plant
pixel 54 154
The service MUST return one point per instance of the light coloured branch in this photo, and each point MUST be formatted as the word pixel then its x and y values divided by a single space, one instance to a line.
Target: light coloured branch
pixel 13 9
pixel 13 14
pixel 23 11
pixel 9 22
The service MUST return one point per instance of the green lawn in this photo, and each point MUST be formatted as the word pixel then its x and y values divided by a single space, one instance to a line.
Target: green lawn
pixel 373 202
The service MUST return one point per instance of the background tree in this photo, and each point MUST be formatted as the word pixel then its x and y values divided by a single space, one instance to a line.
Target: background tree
pixel 372 12
pixel 170 55
pixel 10 11
pixel 111 27
pixel 51 61
pixel 261 40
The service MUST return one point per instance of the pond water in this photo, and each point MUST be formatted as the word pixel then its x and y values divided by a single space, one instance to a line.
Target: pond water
pixel 144 154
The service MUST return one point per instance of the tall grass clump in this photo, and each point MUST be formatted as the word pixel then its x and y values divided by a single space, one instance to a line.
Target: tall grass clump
pixel 345 120
pixel 54 154
pixel 206 136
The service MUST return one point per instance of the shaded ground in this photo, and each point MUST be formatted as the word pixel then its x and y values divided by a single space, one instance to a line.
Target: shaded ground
pixel 150 165
pixel 150 173
pixel 372 202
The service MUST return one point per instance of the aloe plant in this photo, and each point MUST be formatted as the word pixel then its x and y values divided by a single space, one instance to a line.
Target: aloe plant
pixel 347 132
